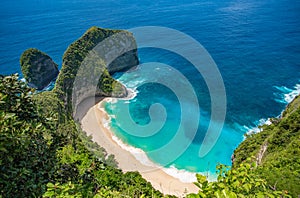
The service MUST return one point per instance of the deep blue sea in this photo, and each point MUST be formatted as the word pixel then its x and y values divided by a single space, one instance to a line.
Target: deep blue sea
pixel 255 44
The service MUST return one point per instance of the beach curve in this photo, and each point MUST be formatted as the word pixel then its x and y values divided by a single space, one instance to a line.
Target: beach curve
pixel 94 122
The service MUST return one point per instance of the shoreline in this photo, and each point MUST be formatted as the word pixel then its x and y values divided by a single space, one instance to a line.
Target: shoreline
pixel 95 123
pixel 288 95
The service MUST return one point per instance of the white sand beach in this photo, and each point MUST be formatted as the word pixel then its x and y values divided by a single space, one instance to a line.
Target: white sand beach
pixel 94 123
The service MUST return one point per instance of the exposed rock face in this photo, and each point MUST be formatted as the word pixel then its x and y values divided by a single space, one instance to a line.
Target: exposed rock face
pixel 124 62
pixel 89 62
pixel 38 68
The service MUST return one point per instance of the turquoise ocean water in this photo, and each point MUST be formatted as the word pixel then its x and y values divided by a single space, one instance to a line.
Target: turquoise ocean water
pixel 255 44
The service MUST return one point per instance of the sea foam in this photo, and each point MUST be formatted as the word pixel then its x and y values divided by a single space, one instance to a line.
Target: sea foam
pixel 183 175
pixel 256 128
pixel 285 96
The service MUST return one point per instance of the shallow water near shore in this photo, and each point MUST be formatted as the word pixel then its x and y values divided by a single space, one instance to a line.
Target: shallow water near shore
pixel 177 157
pixel 189 160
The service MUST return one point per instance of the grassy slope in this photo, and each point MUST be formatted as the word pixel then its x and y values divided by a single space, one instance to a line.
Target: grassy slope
pixel 277 150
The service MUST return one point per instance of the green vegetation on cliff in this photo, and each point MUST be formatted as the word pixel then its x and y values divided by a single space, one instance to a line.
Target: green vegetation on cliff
pixel 276 149
pixel 43 152
pixel 74 57
pixel 240 181
pixel 38 68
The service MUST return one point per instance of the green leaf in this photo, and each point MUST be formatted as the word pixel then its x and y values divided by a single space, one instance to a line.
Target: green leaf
pixel 9 115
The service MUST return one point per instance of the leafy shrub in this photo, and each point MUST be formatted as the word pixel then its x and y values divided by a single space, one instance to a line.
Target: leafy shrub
pixel 280 163
pixel 43 155
pixel 238 182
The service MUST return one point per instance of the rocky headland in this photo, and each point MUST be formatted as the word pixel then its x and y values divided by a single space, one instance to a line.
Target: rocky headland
pixel 38 68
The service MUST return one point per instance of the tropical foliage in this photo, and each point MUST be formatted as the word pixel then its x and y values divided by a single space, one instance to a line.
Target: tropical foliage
pixel 38 68
pixel 26 158
pixel 276 149
pixel 72 60
pixel 42 152
pixel 241 181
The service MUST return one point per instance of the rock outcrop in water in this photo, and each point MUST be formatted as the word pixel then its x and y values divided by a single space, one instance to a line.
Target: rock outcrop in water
pixel 86 68
pixel 38 68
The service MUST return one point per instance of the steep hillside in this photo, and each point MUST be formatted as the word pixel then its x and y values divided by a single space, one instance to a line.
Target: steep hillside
pixel 44 154
pixel 277 150
pixel 89 61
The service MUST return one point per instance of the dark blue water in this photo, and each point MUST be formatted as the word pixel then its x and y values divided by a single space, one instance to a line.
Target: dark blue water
pixel 255 44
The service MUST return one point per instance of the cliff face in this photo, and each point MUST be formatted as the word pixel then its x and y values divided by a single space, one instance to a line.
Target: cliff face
pixel 124 62
pixel 276 150
pixel 89 62
pixel 38 68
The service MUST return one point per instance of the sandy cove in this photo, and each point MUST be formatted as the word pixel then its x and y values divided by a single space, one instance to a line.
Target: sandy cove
pixel 93 123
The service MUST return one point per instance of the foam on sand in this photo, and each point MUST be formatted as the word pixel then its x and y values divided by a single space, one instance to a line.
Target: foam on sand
pixel 96 123
pixel 183 175
pixel 141 156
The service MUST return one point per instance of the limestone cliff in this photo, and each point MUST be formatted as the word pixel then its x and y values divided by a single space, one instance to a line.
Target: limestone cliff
pixel 38 68
pixel 89 62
